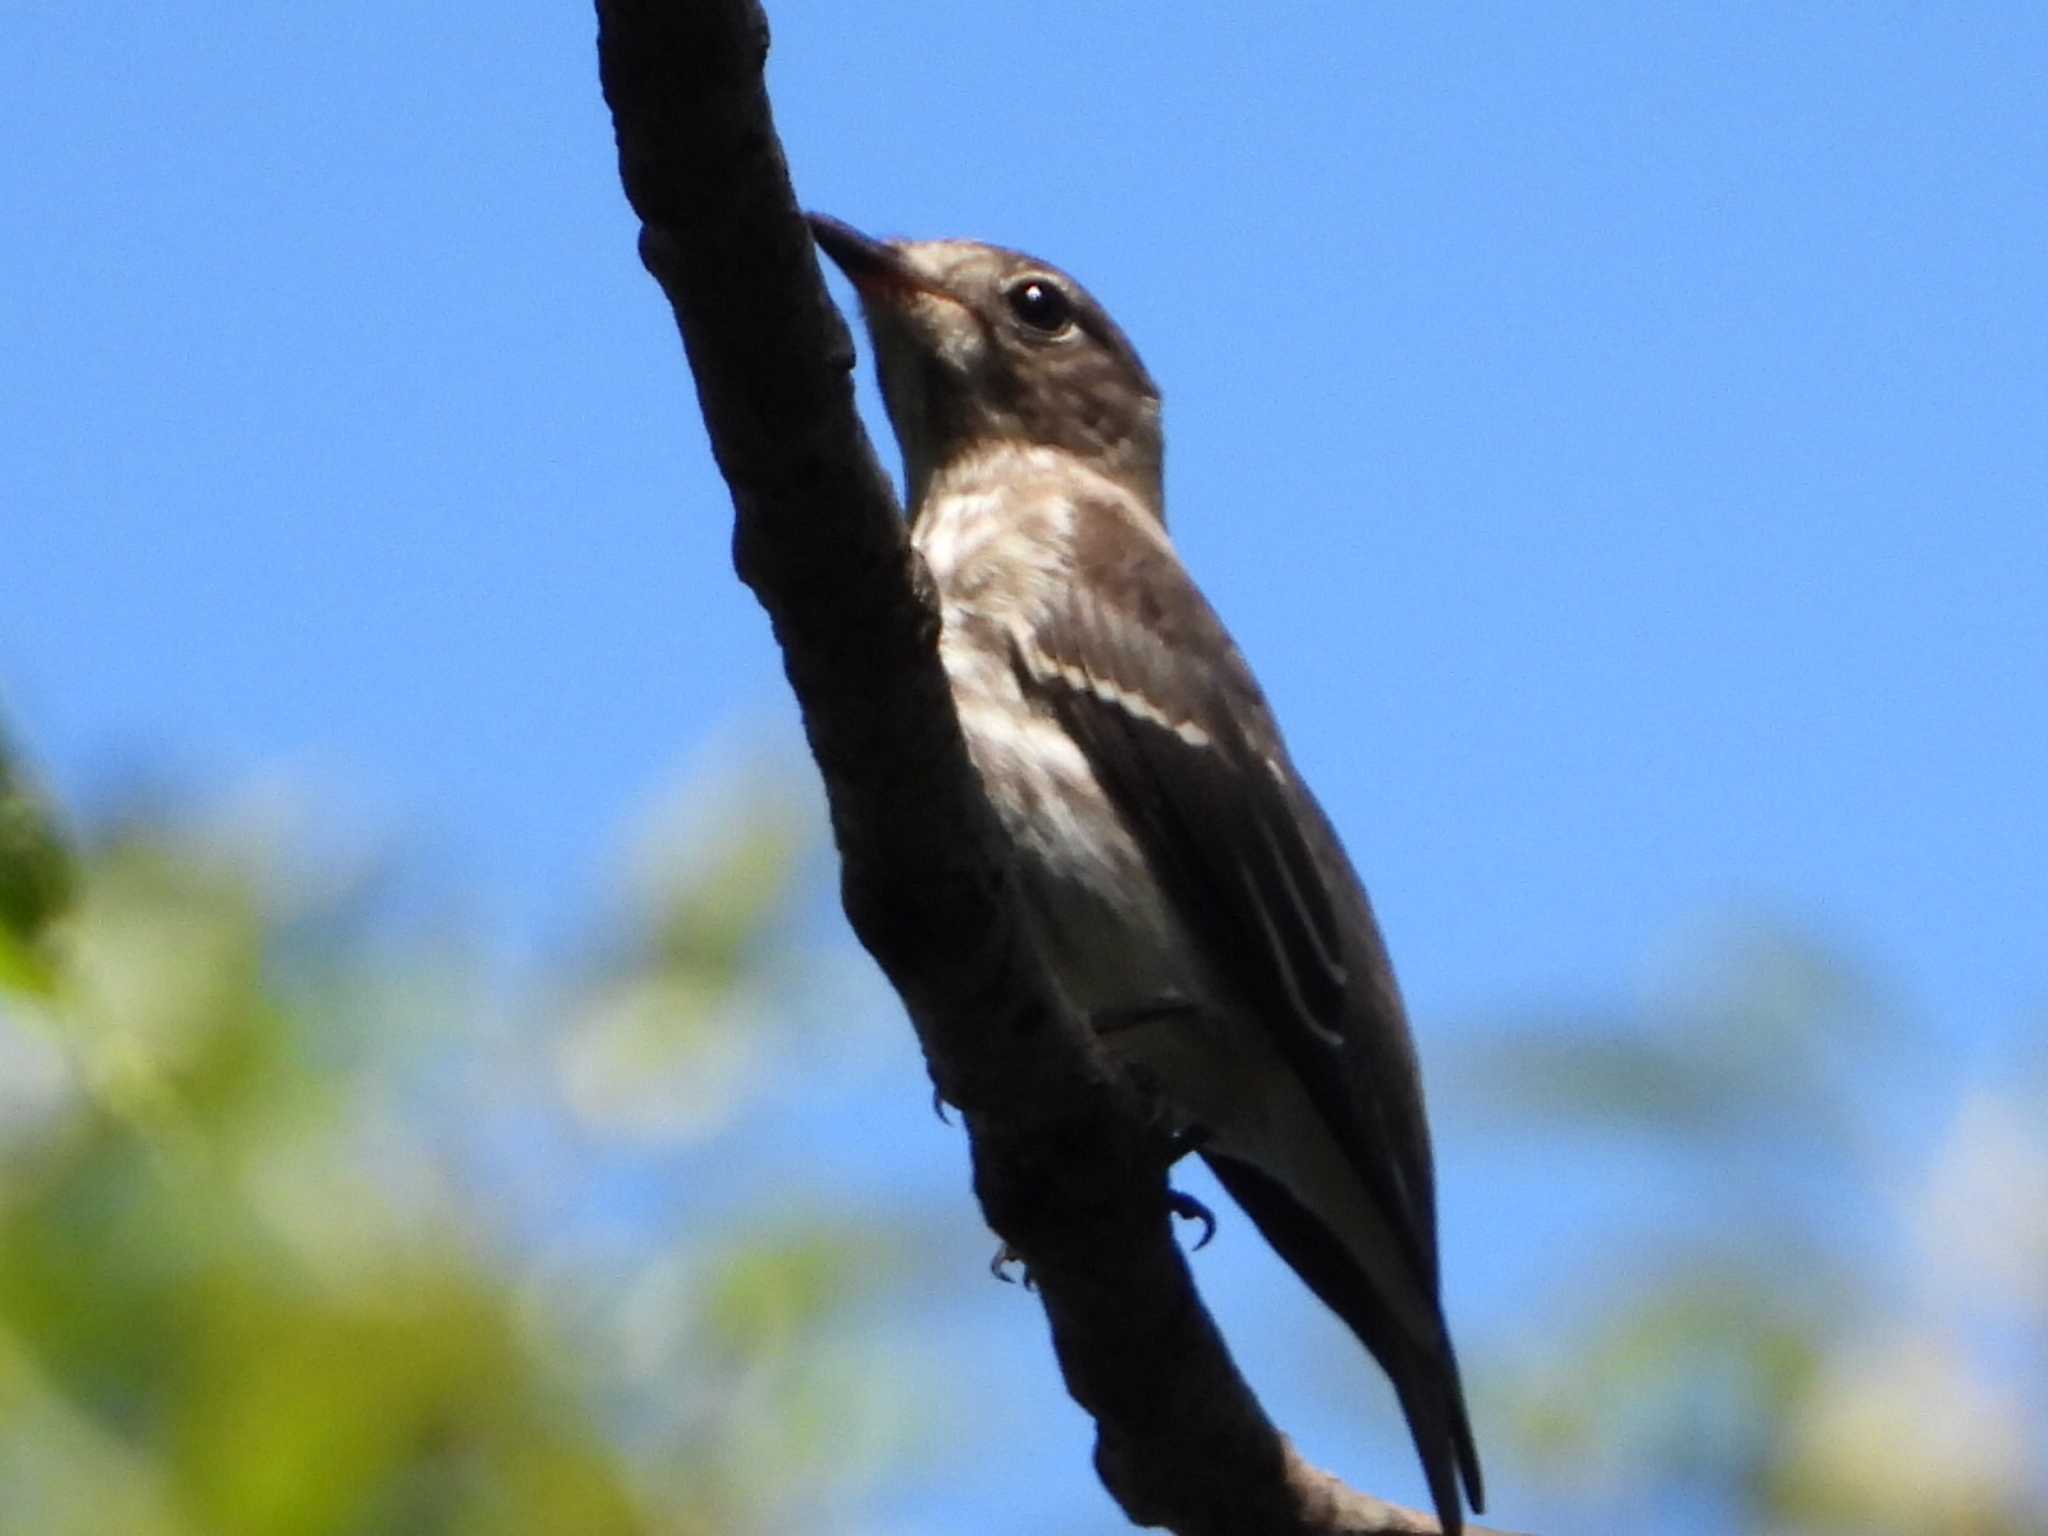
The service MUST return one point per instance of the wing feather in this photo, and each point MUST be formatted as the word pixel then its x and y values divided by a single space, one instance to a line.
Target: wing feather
pixel 1181 739
pixel 1145 679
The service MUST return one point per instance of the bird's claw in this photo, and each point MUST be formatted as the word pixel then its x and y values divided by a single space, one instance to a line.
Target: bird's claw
pixel 999 1266
pixel 1188 1208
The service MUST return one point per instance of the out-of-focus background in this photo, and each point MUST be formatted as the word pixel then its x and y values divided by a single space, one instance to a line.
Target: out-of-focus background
pixel 437 1092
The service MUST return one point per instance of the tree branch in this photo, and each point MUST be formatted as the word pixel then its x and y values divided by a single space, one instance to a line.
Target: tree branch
pixel 1064 1165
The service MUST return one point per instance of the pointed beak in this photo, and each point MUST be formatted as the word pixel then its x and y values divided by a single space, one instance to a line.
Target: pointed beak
pixel 876 270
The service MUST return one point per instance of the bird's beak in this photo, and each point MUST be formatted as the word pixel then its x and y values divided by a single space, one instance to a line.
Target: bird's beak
pixel 876 270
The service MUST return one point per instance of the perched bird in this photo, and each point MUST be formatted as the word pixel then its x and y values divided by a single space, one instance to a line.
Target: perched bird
pixel 1187 893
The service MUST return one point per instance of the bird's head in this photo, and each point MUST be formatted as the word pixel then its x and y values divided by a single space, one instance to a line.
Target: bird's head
pixel 981 348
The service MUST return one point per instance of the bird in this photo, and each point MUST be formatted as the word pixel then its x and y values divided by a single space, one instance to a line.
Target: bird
pixel 1182 887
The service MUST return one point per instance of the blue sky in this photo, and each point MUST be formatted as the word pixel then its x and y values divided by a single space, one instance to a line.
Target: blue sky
pixel 1618 436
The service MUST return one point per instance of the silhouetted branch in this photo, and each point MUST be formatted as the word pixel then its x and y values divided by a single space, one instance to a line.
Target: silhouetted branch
pixel 1065 1167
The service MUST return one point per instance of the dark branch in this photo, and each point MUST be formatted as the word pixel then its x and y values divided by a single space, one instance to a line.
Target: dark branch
pixel 1067 1170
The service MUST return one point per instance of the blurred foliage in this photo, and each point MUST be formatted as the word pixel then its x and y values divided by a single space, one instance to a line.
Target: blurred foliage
pixel 35 873
pixel 1793 1330
pixel 305 1229
pixel 247 1285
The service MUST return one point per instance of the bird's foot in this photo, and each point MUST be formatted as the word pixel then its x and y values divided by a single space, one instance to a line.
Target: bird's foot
pixel 1188 1208
pixel 1160 1115
pixel 999 1266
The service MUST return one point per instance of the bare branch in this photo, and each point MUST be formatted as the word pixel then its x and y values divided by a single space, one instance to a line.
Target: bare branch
pixel 1065 1167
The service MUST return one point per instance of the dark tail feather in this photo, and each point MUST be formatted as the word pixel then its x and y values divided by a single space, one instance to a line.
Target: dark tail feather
pixel 1461 1431
pixel 1425 1380
pixel 1435 1409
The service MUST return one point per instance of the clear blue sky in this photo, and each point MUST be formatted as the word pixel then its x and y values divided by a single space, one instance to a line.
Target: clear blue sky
pixel 1617 435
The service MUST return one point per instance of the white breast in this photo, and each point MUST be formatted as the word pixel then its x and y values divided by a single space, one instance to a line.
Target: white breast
pixel 999 554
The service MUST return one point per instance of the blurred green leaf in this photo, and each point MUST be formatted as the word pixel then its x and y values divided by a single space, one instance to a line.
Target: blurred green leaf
pixel 36 874
pixel 243 1293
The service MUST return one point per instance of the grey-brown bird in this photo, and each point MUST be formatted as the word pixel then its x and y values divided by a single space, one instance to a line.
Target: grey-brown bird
pixel 1187 893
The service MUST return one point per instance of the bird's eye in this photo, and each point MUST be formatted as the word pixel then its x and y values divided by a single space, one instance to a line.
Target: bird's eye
pixel 1040 305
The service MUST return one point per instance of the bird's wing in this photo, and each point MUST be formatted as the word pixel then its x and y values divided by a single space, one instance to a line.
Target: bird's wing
pixel 1149 684
pixel 1146 680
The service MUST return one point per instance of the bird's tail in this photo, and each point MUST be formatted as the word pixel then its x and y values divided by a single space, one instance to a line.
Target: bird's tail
pixel 1424 1374
pixel 1433 1402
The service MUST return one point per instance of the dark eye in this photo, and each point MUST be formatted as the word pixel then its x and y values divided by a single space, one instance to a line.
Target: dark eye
pixel 1040 305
